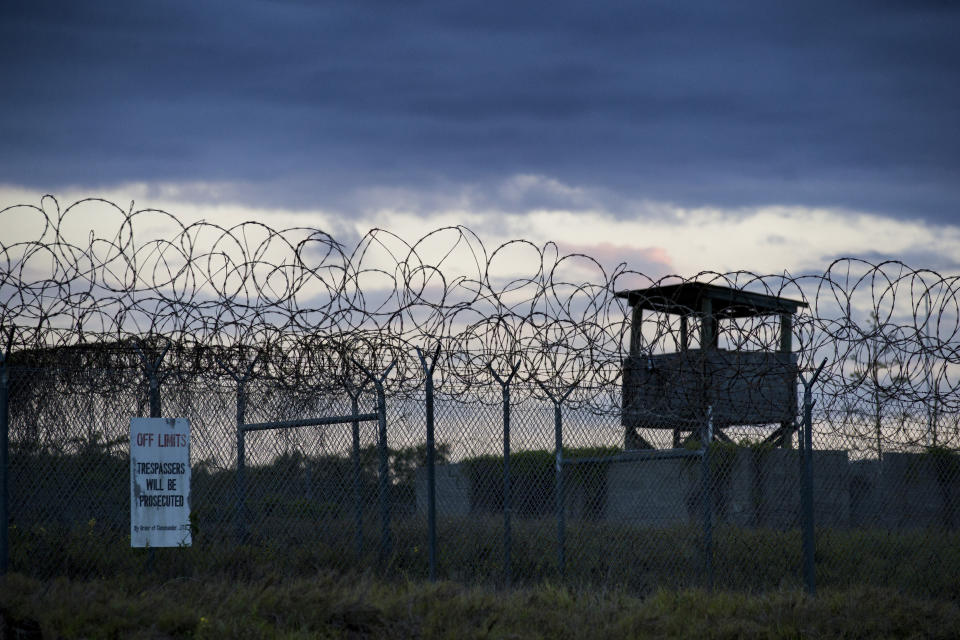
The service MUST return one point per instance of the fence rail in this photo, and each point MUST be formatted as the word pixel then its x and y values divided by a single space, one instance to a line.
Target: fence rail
pixel 528 423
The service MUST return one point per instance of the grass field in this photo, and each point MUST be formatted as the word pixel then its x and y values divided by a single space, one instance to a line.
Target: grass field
pixel 922 563
pixel 327 605
pixel 85 582
pixel 298 576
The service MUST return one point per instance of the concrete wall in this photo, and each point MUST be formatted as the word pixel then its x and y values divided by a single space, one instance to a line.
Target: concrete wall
pixel 585 497
pixel 751 489
pixel 452 489
pixel 778 486
pixel 650 493
pixel 906 491
pixel 865 503
pixel 457 497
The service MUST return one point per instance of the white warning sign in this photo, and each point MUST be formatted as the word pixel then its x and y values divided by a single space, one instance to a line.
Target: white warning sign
pixel 159 482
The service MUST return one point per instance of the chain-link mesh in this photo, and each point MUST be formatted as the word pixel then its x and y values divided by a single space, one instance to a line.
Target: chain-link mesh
pixel 634 518
pixel 655 439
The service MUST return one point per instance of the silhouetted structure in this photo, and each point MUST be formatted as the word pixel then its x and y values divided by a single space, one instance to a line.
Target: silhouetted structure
pixel 676 390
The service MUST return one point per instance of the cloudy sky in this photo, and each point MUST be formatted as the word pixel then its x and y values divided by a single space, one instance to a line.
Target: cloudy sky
pixel 675 136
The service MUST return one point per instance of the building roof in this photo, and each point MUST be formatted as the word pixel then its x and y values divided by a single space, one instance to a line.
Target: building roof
pixel 726 302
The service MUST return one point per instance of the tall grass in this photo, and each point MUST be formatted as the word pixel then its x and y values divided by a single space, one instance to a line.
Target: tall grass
pixel 639 560
pixel 326 605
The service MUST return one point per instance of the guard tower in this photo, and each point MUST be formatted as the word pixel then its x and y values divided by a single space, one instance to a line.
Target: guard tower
pixel 676 390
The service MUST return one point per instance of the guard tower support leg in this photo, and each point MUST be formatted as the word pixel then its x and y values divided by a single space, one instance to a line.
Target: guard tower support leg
pixel 709 338
pixel 4 458
pixel 787 427
pixel 684 344
pixel 636 337
pixel 631 437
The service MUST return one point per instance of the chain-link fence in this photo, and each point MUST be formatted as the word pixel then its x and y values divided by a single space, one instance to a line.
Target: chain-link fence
pixel 728 515
pixel 358 414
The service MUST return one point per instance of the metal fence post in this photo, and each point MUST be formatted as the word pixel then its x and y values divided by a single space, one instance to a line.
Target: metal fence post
pixel 357 497
pixel 354 393
pixel 154 393
pixel 386 543
pixel 431 470
pixel 507 491
pixel 559 496
pixel 806 494
pixel 5 455
pixel 241 489
pixel 384 487
pixel 240 508
pixel 152 370
pixel 560 492
pixel 706 488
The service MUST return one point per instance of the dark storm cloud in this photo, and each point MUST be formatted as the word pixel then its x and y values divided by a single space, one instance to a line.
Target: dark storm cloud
pixel 854 105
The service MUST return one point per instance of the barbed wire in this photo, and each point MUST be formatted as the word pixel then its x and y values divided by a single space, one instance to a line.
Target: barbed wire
pixel 307 310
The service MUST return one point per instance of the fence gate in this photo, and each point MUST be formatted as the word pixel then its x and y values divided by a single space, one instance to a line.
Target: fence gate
pixel 355 418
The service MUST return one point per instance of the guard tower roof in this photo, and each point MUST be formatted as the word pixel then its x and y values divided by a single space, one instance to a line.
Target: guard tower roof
pixel 726 302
